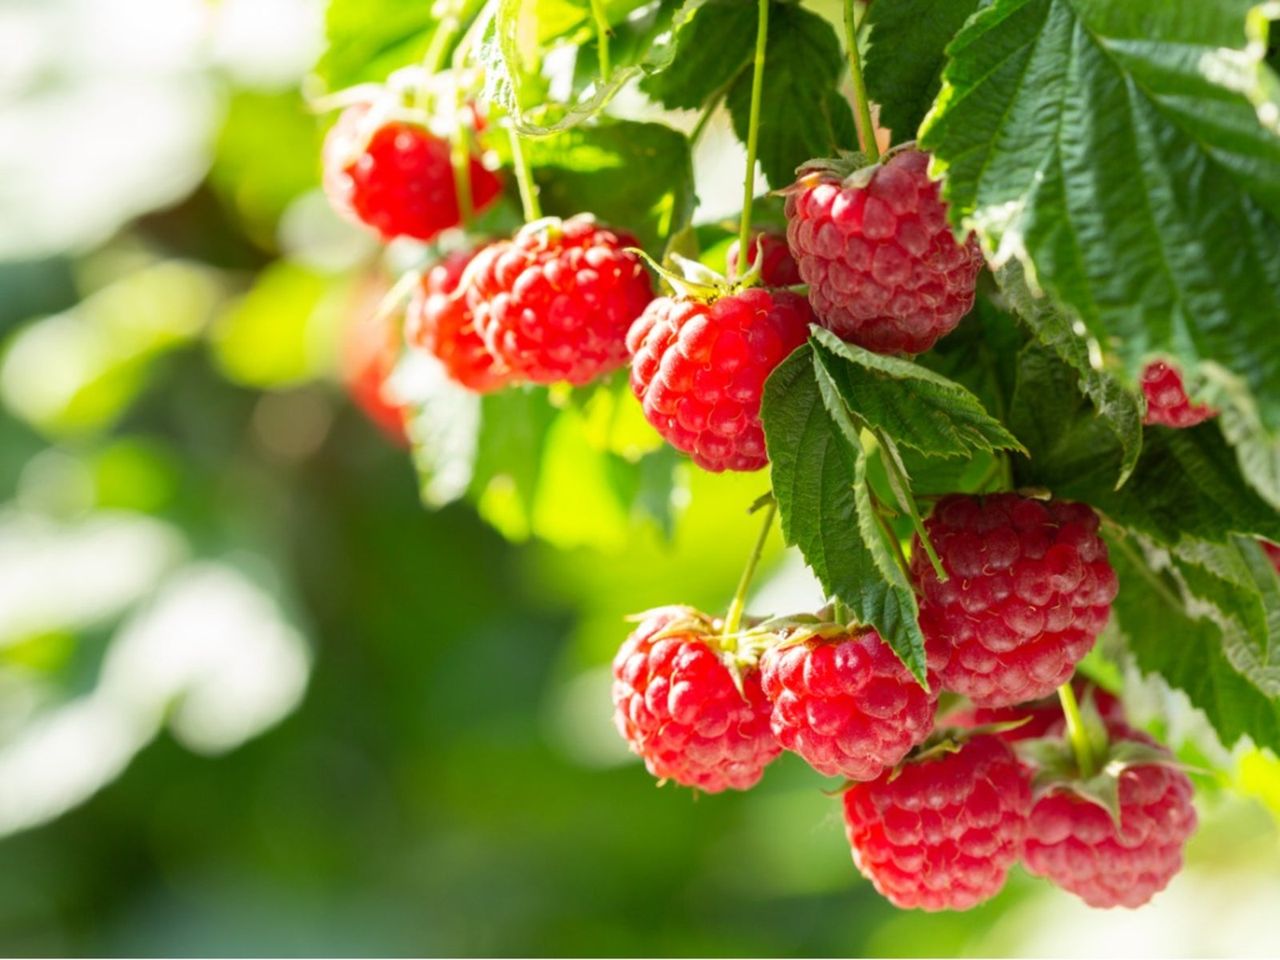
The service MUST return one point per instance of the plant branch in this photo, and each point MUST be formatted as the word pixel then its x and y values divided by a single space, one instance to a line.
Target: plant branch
pixel 602 39
pixel 753 128
pixel 865 125
pixel 733 619
pixel 524 178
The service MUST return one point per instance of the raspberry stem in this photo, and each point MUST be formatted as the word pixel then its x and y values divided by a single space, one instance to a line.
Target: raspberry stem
pixel 524 178
pixel 460 156
pixel 1076 732
pixel 753 128
pixel 733 619
pixel 866 129
pixel 602 38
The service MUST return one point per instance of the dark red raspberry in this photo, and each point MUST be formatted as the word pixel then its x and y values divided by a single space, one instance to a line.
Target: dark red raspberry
pixel 1273 553
pixel 1075 843
pixel 699 370
pixel 555 302
pixel 1029 590
pixel 399 180
pixel 846 704
pixel 941 833
pixel 1043 717
pixel 676 704
pixel 370 351
pixel 883 267
pixel 1167 402
pixel 777 269
pixel 440 322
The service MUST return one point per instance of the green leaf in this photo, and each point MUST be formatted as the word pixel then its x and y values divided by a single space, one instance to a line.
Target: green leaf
pixel 639 175
pixel 802 112
pixel 905 56
pixel 914 406
pixel 512 53
pixel 711 51
pixel 1115 149
pixel 1186 652
pixel 368 39
pixel 1116 404
pixel 1186 482
pixel 819 479
pixel 1235 586
pixel 443 427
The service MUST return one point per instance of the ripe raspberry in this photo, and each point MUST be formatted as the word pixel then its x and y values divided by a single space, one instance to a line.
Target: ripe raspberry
pixel 1273 553
pixel 1167 402
pixel 555 302
pixel 676 705
pixel 699 370
pixel 846 704
pixel 370 351
pixel 1075 843
pixel 1043 717
pixel 1029 590
pixel 777 269
pixel 883 268
pixel 440 322
pixel 401 183
pixel 942 832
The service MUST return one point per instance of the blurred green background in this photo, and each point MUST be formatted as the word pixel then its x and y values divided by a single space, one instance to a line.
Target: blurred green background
pixel 255 699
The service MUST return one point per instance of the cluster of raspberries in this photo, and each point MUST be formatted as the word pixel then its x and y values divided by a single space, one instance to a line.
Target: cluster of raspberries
pixel 935 814
pixel 570 301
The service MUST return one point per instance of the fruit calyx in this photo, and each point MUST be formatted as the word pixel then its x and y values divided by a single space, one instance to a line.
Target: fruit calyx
pixel 1094 777
pixel 696 281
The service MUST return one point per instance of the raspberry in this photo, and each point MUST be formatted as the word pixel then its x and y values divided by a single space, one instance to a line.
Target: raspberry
pixel 778 269
pixel 883 268
pixel 1043 717
pixel 1167 402
pixel 370 352
pixel 1273 553
pixel 846 704
pixel 440 322
pixel 699 370
pixel 1075 843
pixel 942 832
pixel 676 705
pixel 1029 590
pixel 401 181
pixel 555 302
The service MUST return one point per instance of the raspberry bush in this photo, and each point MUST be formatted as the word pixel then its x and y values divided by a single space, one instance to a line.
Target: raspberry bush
pixel 1002 352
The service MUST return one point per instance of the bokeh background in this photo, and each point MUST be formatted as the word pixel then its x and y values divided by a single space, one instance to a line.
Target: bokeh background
pixel 256 699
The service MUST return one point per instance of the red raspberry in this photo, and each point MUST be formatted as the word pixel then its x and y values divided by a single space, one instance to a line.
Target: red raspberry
pixel 778 269
pixel 555 302
pixel 1043 717
pixel 440 322
pixel 883 267
pixel 942 832
pixel 1075 843
pixel 1029 590
pixel 401 181
pixel 370 352
pixel 846 704
pixel 1273 553
pixel 699 370
pixel 676 705
pixel 1167 402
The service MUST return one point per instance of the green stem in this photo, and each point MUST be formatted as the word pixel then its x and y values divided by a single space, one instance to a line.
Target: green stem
pixel 865 125
pixel 433 60
pixel 461 156
pixel 887 528
pixel 524 179
pixel 902 490
pixel 753 128
pixel 474 32
pixel 841 611
pixel 1076 732
pixel 602 38
pixel 733 619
